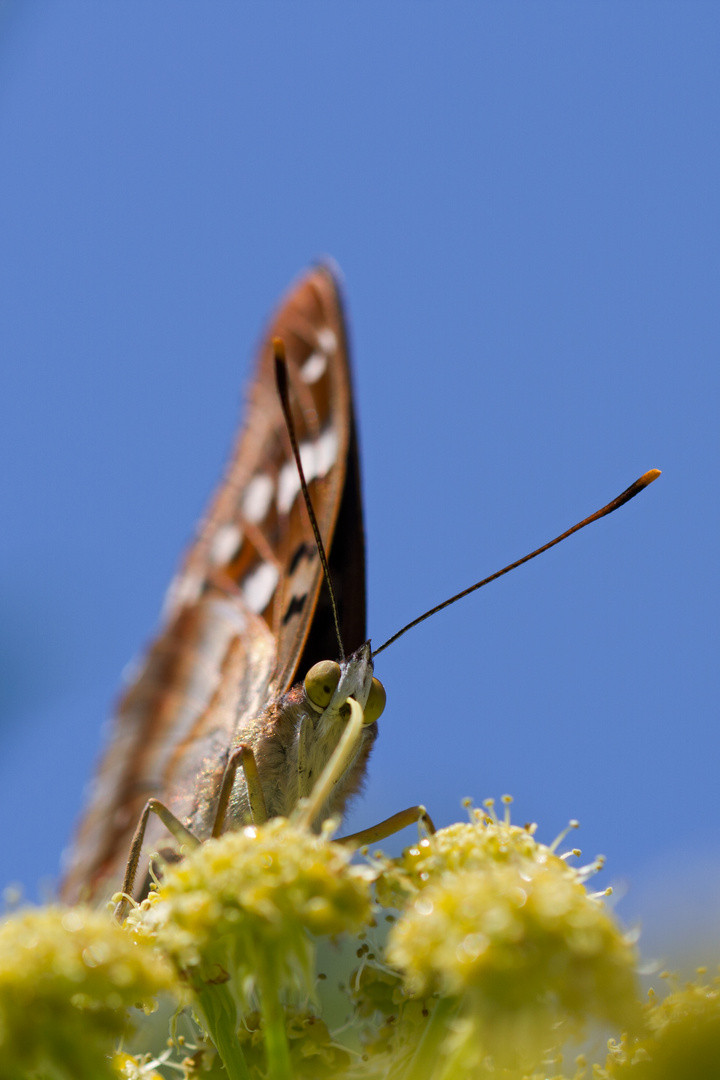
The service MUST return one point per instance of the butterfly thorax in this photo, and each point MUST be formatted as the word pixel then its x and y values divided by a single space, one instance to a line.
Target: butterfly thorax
pixel 275 738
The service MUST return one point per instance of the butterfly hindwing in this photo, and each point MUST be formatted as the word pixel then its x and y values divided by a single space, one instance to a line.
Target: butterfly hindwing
pixel 249 605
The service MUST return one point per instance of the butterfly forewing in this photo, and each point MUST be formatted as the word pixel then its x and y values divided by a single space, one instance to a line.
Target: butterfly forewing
pixel 248 604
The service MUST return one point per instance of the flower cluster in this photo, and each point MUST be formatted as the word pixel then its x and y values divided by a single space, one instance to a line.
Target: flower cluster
pixel 680 1038
pixel 496 954
pixel 67 978
pixel 504 927
pixel 256 894
pixel 239 918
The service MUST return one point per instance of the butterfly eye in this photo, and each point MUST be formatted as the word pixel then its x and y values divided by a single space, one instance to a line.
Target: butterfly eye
pixel 375 702
pixel 321 682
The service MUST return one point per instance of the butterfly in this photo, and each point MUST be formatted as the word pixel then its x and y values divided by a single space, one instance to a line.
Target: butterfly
pixel 248 610
pixel 213 731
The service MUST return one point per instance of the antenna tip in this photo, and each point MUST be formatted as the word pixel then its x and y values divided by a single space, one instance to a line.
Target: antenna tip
pixel 281 378
pixel 648 477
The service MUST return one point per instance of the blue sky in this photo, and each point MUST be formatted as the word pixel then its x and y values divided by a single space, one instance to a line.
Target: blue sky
pixel 523 198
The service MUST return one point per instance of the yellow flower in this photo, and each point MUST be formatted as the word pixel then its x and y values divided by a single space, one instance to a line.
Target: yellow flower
pixel 254 896
pixel 681 1040
pixel 502 925
pixel 467 846
pixel 511 935
pixel 67 977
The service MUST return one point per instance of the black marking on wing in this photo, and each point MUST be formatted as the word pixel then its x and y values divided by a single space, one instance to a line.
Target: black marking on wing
pixel 294 607
pixel 301 551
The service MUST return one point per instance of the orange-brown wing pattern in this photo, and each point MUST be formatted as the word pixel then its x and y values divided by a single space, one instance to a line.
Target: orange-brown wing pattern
pixel 243 611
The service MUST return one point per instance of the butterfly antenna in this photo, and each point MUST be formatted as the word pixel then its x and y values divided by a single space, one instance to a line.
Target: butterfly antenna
pixel 629 493
pixel 281 378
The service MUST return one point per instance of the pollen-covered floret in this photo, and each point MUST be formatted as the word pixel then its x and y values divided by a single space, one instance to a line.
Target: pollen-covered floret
pixel 253 896
pixel 67 976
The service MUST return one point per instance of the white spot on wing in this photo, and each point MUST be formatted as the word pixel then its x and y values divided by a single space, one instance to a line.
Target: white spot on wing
pixel 288 486
pixel 317 459
pixel 314 368
pixel 327 340
pixel 258 587
pixel 184 590
pixel 225 543
pixel 326 449
pixel 221 622
pixel 257 498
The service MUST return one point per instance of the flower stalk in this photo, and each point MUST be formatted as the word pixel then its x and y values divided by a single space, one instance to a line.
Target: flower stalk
pixel 427 1056
pixel 276 1043
pixel 217 1007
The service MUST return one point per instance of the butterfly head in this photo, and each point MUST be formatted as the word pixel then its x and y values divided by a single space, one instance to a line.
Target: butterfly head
pixel 328 685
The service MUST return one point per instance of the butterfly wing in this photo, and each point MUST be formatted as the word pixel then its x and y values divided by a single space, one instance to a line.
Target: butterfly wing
pixel 249 605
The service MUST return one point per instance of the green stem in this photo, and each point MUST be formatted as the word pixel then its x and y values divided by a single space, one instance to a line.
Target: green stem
pixel 274 1033
pixel 423 1062
pixel 220 1015
pixel 453 1065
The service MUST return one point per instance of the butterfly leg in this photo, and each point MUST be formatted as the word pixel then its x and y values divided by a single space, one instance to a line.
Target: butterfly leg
pixel 389 827
pixel 244 756
pixel 174 827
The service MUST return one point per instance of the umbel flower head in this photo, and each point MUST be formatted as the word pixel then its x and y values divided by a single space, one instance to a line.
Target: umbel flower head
pixel 681 1038
pixel 250 899
pixel 67 977
pixel 238 917
pixel 502 925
